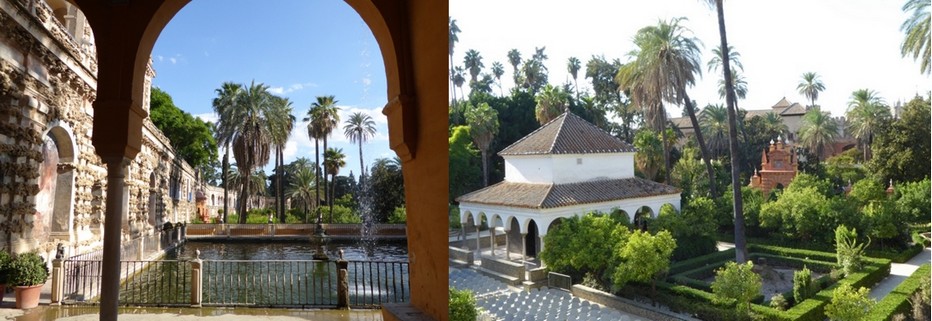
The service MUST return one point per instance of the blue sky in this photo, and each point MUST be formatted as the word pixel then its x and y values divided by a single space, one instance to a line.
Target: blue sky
pixel 851 44
pixel 301 49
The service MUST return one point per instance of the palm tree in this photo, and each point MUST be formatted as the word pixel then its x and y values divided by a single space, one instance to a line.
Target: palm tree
pixel 334 160
pixel 459 77
pixel 572 66
pixel 473 63
pixel 818 131
pixel 810 86
pixel 918 36
pixel 224 131
pixel 741 250
pixel 454 30
pixel 714 125
pixel 498 70
pixel 483 126
pixel 665 63
pixel 359 129
pixel 323 117
pixel 245 124
pixel 514 58
pixel 280 123
pixel 716 62
pixel 866 114
pixel 738 83
pixel 551 103
pixel 302 187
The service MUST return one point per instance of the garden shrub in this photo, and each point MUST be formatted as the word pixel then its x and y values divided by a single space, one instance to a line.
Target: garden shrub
pixel 778 302
pixel 462 305
pixel 849 304
pixel 455 217
pixel 803 287
pixel 705 260
pixel 399 216
pixel 738 282
pixel 848 250
pixel 693 224
pixel 913 201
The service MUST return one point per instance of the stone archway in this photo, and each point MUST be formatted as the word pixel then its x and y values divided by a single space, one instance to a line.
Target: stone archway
pixel 54 221
pixel 532 240
pixel 408 34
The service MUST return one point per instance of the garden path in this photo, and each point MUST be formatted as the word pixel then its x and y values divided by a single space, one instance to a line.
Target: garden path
pixel 898 273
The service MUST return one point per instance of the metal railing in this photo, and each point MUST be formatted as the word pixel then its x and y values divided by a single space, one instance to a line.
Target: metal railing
pixel 373 283
pixel 269 283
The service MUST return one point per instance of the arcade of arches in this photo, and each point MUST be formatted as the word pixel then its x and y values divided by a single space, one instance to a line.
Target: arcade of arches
pixel 74 79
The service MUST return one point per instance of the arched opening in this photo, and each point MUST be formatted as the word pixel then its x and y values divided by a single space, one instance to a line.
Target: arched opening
pixel 642 216
pixel 531 240
pixel 412 71
pixel 55 201
pixel 514 236
pixel 620 216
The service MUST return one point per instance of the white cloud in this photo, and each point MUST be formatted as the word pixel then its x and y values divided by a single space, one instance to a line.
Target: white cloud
pixel 173 60
pixel 366 81
pixel 209 117
pixel 291 88
pixel 160 58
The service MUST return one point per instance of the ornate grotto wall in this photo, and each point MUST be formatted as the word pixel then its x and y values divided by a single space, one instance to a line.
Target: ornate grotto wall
pixel 48 82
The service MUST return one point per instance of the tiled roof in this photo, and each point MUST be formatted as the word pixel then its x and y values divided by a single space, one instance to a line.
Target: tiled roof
pixel 682 122
pixel 540 196
pixel 567 134
pixel 794 109
pixel 783 103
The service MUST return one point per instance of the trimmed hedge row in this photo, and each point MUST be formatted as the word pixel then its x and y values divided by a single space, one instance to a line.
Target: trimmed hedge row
pixel 700 261
pixel 703 304
pixel 896 257
pixel 898 300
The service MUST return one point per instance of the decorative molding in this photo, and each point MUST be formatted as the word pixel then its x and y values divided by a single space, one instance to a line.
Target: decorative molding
pixel 402 126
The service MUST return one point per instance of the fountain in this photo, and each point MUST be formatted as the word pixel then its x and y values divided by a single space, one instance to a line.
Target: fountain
pixel 368 228
pixel 320 239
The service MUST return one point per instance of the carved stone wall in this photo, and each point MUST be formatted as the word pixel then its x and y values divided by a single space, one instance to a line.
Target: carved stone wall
pixel 47 86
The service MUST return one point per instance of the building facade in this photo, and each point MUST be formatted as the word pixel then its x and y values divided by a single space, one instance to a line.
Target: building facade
pixel 52 182
pixel 778 167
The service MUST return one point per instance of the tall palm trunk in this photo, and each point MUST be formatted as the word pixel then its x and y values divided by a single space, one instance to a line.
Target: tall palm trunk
pixel 691 110
pixel 278 192
pixel 666 147
pixel 244 197
pixel 326 190
pixel 362 167
pixel 332 179
pixel 741 250
pixel 485 168
pixel 452 85
pixel 317 180
pixel 223 179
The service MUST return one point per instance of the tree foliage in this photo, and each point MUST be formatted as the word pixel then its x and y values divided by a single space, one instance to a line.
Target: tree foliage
pixel 643 257
pixel 387 187
pixel 583 243
pixel 902 152
pixel 737 282
pixel 695 223
pixel 848 250
pixel 191 137
pixel 849 304
pixel 465 168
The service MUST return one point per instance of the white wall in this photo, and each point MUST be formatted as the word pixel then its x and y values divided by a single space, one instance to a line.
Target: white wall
pixel 563 169
pixel 529 169
pixel 588 167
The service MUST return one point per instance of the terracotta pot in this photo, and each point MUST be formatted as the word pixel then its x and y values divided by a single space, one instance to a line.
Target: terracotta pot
pixel 27 297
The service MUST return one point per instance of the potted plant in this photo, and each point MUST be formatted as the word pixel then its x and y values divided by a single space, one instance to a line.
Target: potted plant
pixel 27 275
pixel 4 271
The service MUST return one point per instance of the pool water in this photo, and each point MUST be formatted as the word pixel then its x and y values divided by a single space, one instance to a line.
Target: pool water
pixel 240 250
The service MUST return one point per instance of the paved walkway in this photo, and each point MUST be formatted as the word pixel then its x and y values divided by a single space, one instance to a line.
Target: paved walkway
pixel 91 313
pixel 898 273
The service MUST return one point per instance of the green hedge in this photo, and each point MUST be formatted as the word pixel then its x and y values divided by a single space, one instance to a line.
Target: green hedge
pixel 702 303
pixel 900 256
pixel 697 262
pixel 898 300
pixel 895 256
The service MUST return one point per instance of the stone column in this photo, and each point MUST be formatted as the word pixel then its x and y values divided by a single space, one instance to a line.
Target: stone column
pixel 524 253
pixel 492 240
pixel 478 247
pixel 541 249
pixel 507 252
pixel 197 281
pixel 58 279
pixel 115 210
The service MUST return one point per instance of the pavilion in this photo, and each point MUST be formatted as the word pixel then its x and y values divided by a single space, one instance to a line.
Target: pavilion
pixel 565 168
